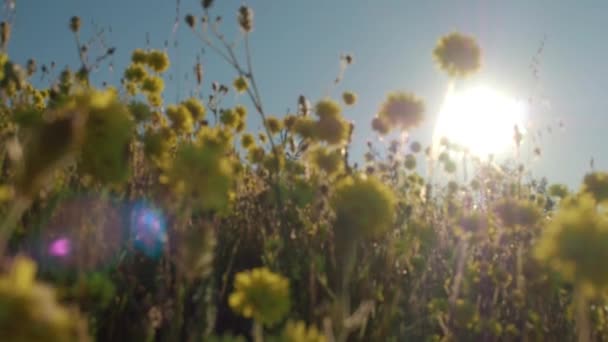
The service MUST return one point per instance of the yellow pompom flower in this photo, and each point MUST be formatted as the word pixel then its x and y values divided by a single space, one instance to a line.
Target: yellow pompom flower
pixel 247 140
pixel 240 84
pixel 575 243
pixel 298 332
pixel 181 119
pixel 202 175
pixel 328 108
pixel 30 310
pixel 241 111
pixel 196 108
pixel 261 295
pixel 364 206
pixel 274 125
pixel 458 55
pixel 229 118
pixel 139 56
pixel 349 98
pixel 255 154
pixel 158 61
pixel 401 110
pixel 517 213
pixel 596 183
pixel 153 85
pixel 381 125
pixel 329 161
pixel 305 127
pixel 135 73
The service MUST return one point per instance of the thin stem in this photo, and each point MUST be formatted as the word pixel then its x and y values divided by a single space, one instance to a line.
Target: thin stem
pixel 10 221
pixel 258 332
pixel 583 326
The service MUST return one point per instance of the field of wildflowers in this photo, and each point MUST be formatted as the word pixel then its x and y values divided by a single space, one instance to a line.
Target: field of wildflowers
pixel 127 218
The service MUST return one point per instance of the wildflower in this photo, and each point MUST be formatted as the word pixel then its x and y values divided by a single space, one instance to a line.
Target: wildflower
pixel 305 127
pixel 415 147
pixel 402 110
pixel 449 166
pixel 203 175
pixel 196 108
pixel 158 144
pixel 190 20
pixel 241 111
pixel 155 100
pixel 289 121
pixel 75 24
pixel 31 67
pixel 158 61
pixel 274 125
pixel 410 161
pixel 474 222
pixel 575 243
pixel 153 84
pixel 298 332
pixel 247 140
pixel 327 109
pixel 329 161
pixel 31 311
pixel 458 55
pixel 596 183
pixel 240 84
pixel 108 132
pixel 139 56
pixel 517 213
pixel 558 190
pixel 245 18
pixel 349 98
pixel 229 117
pixel 260 294
pixel 181 119
pixel 255 154
pixel 333 130
pixel 380 125
pixel 135 73
pixel 363 206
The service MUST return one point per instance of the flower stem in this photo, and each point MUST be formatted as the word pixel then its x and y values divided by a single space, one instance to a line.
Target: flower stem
pixel 581 309
pixel 258 332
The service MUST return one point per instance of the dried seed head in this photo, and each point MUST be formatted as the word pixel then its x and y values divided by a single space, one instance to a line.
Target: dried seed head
pixel 75 24
pixel 245 18
pixel 5 33
pixel 190 20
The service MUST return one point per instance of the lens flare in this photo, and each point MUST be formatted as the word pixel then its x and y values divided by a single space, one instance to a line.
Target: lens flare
pixel 60 247
pixel 148 230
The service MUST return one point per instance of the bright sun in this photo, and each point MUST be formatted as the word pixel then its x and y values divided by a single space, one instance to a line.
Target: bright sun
pixel 480 119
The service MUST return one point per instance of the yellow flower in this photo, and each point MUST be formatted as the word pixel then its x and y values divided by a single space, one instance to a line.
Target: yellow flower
pixel 380 125
pixel 363 206
pixel 327 108
pixel 158 61
pixel 255 154
pixel 274 125
pixel 305 127
pixel 139 56
pixel 410 161
pixel 202 175
pixel 135 73
pixel 260 294
pixel 153 85
pixel 247 140
pixel 349 98
pixel 196 108
pixel 181 119
pixel 458 55
pixel 329 161
pixel 517 213
pixel 241 111
pixel 240 84
pixel 30 310
pixel 575 243
pixel 596 183
pixel 298 332
pixel 229 117
pixel 401 110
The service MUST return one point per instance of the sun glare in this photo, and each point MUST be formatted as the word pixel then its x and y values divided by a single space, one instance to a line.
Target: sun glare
pixel 480 119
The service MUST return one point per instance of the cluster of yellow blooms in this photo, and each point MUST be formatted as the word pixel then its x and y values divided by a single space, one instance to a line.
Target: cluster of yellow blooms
pixel 30 311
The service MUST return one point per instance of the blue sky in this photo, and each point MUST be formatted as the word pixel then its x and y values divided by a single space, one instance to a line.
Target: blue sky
pixel 296 45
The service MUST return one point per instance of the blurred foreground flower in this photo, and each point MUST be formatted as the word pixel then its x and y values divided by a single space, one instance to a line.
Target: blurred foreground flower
pixel 458 55
pixel 260 294
pixel 401 110
pixel 29 310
